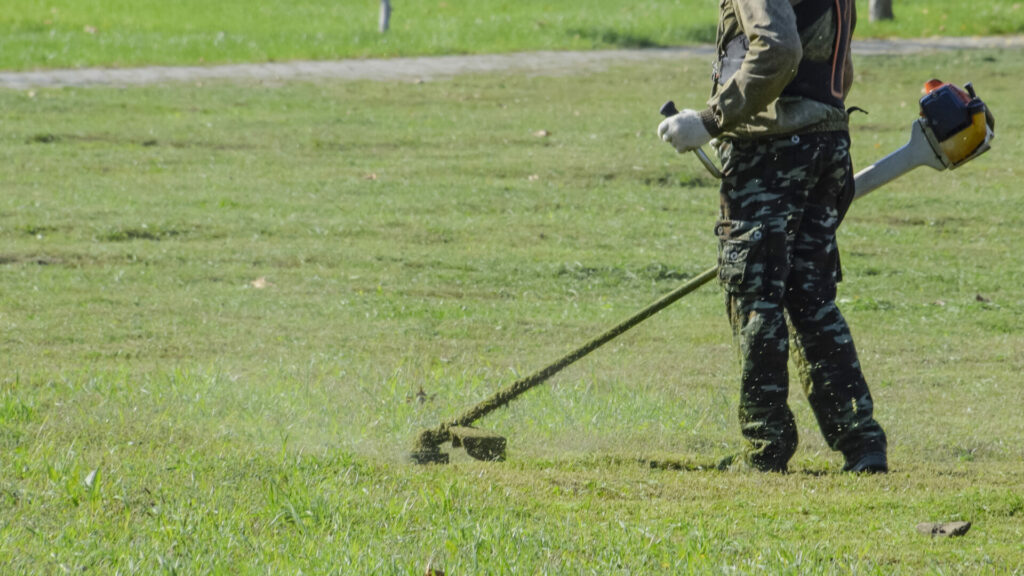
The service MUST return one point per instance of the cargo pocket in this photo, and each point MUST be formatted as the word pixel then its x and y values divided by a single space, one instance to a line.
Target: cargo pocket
pixel 741 256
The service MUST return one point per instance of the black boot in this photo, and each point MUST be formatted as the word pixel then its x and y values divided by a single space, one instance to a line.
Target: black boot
pixel 867 463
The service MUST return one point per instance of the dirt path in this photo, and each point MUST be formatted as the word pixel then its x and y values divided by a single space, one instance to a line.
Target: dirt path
pixel 432 67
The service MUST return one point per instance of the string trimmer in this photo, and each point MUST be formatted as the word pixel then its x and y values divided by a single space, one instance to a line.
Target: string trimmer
pixel 954 128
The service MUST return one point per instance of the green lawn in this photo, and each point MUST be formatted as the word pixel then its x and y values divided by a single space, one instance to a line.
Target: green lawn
pixel 220 302
pixel 73 33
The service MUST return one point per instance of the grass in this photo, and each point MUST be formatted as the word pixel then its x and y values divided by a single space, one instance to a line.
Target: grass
pixel 75 33
pixel 219 304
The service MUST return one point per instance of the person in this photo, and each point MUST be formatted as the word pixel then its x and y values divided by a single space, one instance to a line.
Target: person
pixel 777 116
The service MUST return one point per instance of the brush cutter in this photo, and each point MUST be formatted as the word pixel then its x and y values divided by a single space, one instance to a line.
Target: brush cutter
pixel 954 128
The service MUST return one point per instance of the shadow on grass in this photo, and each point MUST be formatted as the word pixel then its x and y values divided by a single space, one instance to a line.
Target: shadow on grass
pixel 612 37
pixel 724 465
pixel 608 36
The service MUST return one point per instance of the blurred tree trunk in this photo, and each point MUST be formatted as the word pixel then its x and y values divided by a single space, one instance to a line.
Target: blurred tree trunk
pixel 385 15
pixel 881 10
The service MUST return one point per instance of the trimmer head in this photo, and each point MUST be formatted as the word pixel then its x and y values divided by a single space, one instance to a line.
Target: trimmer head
pixel 479 444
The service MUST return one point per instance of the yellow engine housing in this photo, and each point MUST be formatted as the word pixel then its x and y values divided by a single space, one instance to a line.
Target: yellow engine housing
pixel 965 143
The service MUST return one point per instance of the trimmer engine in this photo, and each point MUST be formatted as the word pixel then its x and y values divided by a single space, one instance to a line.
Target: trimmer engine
pixel 960 124
pixel 955 127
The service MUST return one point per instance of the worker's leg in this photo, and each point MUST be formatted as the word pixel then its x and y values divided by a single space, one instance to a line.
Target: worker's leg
pixel 762 194
pixel 824 351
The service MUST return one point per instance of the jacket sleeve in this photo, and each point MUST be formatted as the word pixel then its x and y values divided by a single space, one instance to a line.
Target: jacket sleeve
pixel 769 65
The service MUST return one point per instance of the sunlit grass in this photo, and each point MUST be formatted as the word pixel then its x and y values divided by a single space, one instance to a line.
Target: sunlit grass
pixel 220 303
pixel 75 33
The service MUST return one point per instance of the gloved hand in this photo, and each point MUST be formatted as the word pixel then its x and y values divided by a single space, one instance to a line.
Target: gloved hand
pixel 685 131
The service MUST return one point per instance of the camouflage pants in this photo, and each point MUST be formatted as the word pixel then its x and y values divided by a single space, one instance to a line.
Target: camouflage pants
pixel 781 203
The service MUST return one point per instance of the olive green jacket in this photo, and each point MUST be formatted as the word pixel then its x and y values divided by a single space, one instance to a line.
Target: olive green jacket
pixel 748 105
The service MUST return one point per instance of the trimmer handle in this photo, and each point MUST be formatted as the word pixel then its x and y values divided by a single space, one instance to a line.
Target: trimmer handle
pixel 669 109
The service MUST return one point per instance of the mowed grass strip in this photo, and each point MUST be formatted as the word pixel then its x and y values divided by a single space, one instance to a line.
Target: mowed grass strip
pixel 76 33
pixel 227 309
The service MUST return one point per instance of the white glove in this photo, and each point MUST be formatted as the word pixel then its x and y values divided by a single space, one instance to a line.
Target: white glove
pixel 685 131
